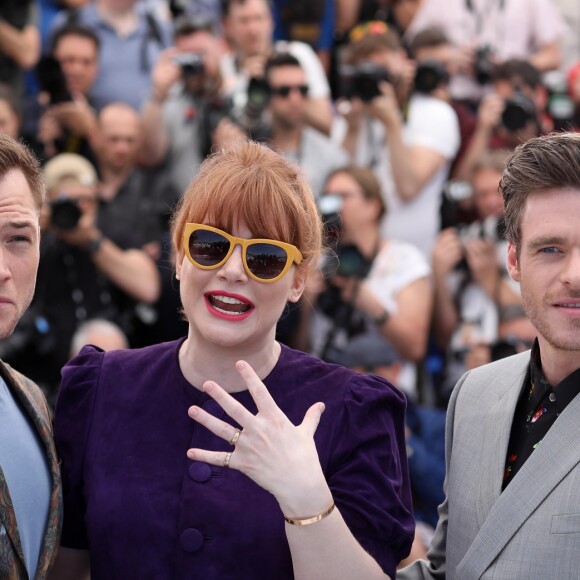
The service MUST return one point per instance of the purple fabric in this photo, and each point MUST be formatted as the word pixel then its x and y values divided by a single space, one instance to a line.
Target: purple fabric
pixel 145 510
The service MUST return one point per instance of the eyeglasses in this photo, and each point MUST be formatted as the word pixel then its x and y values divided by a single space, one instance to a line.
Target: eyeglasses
pixel 264 260
pixel 285 90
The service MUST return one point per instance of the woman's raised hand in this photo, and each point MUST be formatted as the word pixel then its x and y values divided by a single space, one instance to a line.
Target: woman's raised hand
pixel 277 455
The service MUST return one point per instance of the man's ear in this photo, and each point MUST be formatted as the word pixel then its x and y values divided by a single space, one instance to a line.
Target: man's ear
pixel 512 263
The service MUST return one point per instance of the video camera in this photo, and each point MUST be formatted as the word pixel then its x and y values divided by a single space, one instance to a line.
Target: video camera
pixel 363 80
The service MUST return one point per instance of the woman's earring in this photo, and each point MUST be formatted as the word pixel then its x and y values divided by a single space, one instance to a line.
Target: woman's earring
pixel 294 296
pixel 177 276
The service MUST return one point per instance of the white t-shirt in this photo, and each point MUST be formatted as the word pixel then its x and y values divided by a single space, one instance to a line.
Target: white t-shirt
pixel 431 123
pixel 395 267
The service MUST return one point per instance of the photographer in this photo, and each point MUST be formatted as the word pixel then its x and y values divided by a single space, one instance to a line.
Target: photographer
pixel 473 292
pixel 61 119
pixel 380 287
pixel 487 33
pixel 411 151
pixel 92 265
pixel 186 107
pixel 249 29
pixel 290 135
pixel 513 113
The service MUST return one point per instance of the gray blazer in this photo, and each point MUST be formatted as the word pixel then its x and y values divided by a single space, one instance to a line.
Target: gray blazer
pixel 532 529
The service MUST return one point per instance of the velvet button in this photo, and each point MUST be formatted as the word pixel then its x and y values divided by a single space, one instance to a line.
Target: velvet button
pixel 199 472
pixel 191 540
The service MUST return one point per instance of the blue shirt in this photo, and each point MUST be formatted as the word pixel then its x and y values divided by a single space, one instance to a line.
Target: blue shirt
pixel 125 62
pixel 23 462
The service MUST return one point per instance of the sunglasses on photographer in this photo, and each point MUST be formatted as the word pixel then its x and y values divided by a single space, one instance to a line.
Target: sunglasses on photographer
pixel 285 90
pixel 264 260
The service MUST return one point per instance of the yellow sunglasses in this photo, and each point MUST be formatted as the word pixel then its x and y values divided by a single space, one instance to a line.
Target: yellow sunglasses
pixel 264 260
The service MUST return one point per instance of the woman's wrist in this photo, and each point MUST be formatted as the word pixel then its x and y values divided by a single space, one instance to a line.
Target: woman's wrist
pixel 311 519
pixel 306 504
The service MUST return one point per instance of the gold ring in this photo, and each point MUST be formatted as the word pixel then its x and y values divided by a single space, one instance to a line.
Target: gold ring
pixel 227 458
pixel 236 436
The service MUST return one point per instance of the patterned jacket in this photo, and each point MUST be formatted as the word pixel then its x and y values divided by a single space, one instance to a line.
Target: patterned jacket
pixel 11 557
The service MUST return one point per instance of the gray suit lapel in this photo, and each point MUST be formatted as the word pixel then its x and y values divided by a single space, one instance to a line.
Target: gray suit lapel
pixel 555 457
pixel 507 384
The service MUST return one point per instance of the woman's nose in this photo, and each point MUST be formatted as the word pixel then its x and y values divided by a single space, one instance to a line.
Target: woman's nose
pixel 233 270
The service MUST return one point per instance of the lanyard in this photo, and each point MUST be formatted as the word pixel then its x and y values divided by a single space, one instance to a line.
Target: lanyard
pixel 480 15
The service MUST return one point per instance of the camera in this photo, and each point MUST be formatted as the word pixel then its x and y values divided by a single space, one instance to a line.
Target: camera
pixel 518 111
pixel 508 346
pixel 483 66
pixel 363 80
pixel 429 75
pixel 191 64
pixel 250 118
pixel 65 213
pixel 52 80
pixel 491 228
pixel 348 260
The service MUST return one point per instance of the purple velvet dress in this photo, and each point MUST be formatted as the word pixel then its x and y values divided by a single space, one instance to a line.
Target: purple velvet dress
pixel 146 511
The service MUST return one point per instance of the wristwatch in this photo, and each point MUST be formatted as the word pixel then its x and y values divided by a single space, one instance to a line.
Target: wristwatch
pixel 382 318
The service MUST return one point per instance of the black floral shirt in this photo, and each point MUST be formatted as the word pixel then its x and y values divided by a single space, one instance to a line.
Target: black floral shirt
pixel 538 407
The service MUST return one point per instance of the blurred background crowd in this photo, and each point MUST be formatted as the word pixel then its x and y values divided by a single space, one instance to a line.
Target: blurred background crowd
pixel 400 113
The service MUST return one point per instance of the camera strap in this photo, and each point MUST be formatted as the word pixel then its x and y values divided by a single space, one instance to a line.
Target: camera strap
pixel 479 15
pixel 153 34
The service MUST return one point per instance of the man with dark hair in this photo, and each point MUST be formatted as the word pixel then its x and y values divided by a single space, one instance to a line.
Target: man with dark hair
pixel 513 426
pixel 30 492
pixel 313 151
pixel 132 37
pixel 249 28
pixel 61 118
pixel 513 113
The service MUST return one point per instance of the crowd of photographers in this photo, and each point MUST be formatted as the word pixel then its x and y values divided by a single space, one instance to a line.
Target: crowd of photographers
pixel 399 112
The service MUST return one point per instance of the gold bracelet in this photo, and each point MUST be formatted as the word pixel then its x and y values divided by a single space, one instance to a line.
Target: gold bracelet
pixel 311 520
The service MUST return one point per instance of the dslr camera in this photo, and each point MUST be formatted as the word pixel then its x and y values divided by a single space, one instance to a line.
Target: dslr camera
pixel 65 213
pixel 483 66
pixel 491 228
pixel 52 80
pixel 191 64
pixel 429 75
pixel 518 111
pixel 346 259
pixel 363 80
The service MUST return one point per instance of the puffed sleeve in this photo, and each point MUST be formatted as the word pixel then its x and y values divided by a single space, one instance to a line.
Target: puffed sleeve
pixel 368 472
pixel 72 423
